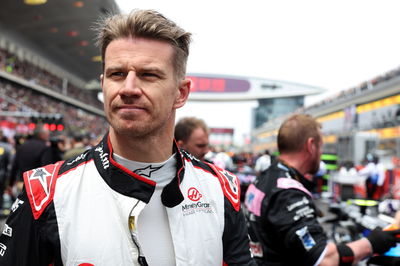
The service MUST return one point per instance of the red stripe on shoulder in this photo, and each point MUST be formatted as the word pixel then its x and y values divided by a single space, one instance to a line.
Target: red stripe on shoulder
pixel 40 184
pixel 230 185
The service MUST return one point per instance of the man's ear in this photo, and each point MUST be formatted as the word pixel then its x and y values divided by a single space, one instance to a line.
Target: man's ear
pixel 101 79
pixel 179 143
pixel 183 93
pixel 310 145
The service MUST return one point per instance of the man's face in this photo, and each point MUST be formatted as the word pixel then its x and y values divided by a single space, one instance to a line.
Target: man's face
pixel 197 144
pixel 139 87
pixel 44 135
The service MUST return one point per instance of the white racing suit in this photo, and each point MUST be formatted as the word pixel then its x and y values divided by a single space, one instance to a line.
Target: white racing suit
pixel 78 212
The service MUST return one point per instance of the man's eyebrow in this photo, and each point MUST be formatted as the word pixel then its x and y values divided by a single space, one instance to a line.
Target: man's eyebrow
pixel 143 69
pixel 113 68
pixel 153 69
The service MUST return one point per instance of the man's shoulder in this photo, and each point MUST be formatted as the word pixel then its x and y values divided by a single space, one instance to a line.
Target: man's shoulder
pixel 40 186
pixel 40 183
pixel 269 177
pixel 230 184
pixel 277 178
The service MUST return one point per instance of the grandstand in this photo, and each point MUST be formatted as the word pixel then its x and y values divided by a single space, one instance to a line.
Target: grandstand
pixel 49 61
pixel 49 66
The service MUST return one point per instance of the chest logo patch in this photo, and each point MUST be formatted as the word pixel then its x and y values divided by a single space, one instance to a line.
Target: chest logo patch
pixel 194 194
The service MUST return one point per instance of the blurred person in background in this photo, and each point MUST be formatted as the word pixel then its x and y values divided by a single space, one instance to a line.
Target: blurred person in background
pixel 5 163
pixel 135 198
pixel 223 160
pixel 374 174
pixel 32 153
pixel 77 147
pixel 282 215
pixel 191 134
pixel 263 162
pixel 55 151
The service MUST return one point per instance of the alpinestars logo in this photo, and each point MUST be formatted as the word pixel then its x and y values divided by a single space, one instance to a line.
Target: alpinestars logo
pixel 147 171
pixel 194 194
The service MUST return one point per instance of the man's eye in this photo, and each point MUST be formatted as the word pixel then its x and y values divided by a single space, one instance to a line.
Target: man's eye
pixel 117 74
pixel 147 74
pixel 201 145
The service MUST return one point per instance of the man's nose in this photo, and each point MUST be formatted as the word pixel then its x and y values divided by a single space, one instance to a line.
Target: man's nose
pixel 131 85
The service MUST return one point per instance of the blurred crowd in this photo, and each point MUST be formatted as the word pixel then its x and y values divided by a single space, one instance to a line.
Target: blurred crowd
pixel 16 98
pixel 24 113
pixel 11 64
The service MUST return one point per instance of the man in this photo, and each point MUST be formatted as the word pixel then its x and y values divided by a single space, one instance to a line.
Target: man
pixel 374 174
pixel 134 199
pixel 5 161
pixel 77 147
pixel 263 162
pixel 283 226
pixel 191 134
pixel 31 154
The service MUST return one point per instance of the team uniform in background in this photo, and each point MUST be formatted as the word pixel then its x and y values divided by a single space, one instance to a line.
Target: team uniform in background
pixel 283 219
pixel 84 211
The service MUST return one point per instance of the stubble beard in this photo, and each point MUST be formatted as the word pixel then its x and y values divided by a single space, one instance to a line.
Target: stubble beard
pixel 140 129
pixel 315 167
pixel 130 129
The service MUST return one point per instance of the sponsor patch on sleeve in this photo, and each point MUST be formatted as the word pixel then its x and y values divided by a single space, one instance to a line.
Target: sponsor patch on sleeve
pixel 16 204
pixel 3 249
pixel 7 230
pixel 256 249
pixel 253 200
pixel 230 185
pixel 40 185
pixel 305 237
pixel 300 209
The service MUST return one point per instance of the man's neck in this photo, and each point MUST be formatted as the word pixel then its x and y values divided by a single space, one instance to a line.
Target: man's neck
pixel 150 149
pixel 295 160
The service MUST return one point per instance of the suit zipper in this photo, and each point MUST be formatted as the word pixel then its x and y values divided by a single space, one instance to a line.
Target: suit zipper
pixel 132 228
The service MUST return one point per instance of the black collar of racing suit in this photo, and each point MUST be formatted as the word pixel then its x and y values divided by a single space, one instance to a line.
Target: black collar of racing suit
pixel 131 184
pixel 296 175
